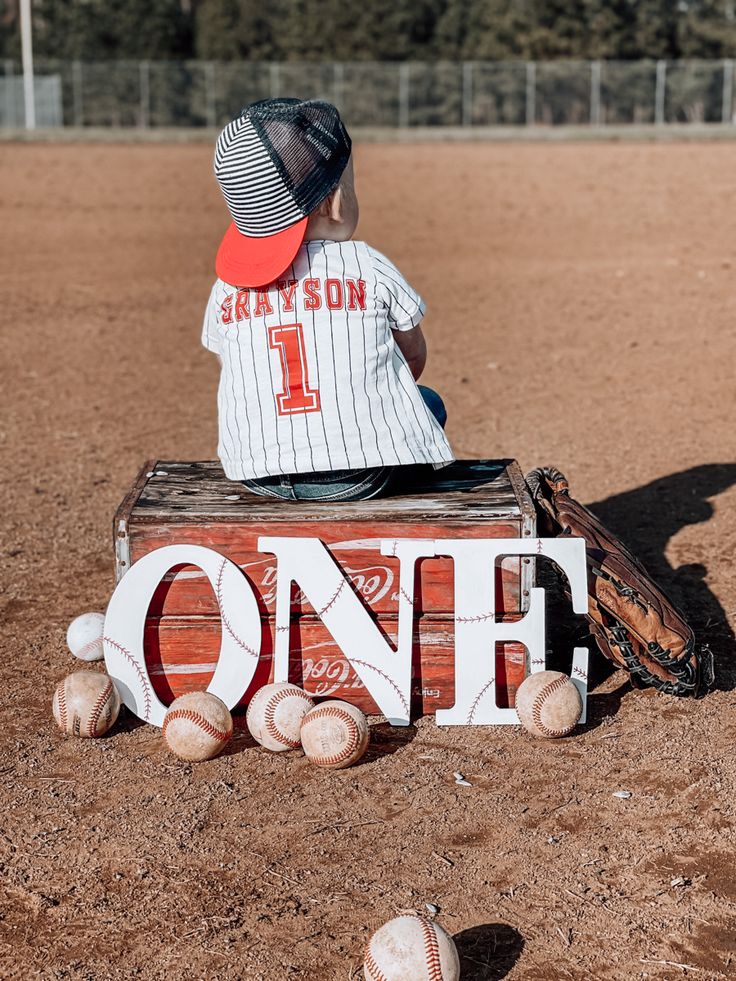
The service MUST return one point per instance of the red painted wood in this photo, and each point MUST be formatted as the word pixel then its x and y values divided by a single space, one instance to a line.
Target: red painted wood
pixel 181 654
pixel 374 576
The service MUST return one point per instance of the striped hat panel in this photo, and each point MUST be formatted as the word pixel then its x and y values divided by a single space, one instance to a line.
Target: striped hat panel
pixel 254 189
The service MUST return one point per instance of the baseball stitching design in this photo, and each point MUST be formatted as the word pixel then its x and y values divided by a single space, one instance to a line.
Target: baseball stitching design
pixel 145 686
pixel 478 697
pixel 406 596
pixel 97 709
pixel 334 598
pixel 199 720
pixel 248 712
pixel 375 972
pixel 330 603
pixel 580 673
pixel 61 702
pixel 477 619
pixel 329 711
pixel 226 623
pixel 431 951
pixel 269 716
pixel 538 703
pixel 393 684
pixel 89 646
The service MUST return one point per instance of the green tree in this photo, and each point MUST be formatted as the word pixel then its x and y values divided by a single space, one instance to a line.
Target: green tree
pixel 392 30
pixel 707 29
pixel 612 29
pixel 100 29
pixel 231 29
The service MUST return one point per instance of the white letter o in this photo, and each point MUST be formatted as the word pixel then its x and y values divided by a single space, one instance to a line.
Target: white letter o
pixel 125 622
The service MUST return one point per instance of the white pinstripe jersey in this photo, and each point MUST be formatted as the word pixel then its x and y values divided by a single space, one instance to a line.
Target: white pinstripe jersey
pixel 311 377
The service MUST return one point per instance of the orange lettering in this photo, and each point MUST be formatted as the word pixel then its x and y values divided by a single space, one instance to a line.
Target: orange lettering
pixel 356 294
pixel 287 291
pixel 241 305
pixel 263 304
pixel 312 300
pixel 333 293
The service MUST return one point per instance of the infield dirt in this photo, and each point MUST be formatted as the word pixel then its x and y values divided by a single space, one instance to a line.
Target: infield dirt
pixel 582 312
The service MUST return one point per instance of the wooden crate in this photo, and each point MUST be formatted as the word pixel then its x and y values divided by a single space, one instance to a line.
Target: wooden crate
pixel 175 503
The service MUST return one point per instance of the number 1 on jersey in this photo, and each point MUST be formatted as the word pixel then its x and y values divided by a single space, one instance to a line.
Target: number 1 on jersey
pixel 297 396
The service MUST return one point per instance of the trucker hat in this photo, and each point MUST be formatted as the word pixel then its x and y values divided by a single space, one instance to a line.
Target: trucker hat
pixel 275 164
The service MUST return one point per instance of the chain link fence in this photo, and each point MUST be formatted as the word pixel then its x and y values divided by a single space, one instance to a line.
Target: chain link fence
pixel 377 94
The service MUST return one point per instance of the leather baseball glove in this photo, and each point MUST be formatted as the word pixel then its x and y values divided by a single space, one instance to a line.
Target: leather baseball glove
pixel 635 625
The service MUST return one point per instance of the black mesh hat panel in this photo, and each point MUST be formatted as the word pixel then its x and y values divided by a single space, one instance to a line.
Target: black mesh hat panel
pixel 308 145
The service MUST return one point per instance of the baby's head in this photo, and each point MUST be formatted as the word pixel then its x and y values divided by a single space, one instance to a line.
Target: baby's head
pixel 284 167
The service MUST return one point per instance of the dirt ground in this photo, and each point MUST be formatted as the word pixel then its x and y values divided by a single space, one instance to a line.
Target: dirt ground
pixel 582 312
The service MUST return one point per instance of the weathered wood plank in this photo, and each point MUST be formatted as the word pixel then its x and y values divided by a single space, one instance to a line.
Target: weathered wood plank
pixel 121 520
pixel 466 490
pixel 181 654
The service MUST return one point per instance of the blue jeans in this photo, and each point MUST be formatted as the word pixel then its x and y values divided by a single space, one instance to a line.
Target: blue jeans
pixel 340 485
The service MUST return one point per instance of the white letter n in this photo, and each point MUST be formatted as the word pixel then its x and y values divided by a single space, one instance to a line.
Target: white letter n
pixel 385 673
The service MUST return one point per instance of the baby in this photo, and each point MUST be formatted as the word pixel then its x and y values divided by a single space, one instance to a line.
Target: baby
pixel 318 335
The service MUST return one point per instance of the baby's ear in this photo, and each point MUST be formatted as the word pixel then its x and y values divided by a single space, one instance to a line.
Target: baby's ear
pixel 333 205
pixel 331 208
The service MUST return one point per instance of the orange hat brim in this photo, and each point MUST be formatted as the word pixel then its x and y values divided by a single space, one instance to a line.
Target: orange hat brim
pixel 246 261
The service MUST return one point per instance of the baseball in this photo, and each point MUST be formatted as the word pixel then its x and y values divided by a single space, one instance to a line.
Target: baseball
pixel 548 704
pixel 84 636
pixel 410 947
pixel 86 704
pixel 196 726
pixel 275 716
pixel 335 734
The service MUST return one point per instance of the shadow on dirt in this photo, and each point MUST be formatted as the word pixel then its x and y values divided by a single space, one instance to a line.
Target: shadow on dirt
pixel 604 704
pixel 647 518
pixel 242 739
pixel 127 722
pixel 387 740
pixel 488 951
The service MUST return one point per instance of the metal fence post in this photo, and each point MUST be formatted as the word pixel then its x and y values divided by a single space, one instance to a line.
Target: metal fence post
pixel 29 82
pixel 404 94
pixel 467 93
pixel 9 87
pixel 144 74
pixel 727 108
pixel 77 93
pixel 531 92
pixel 275 77
pixel 338 82
pixel 595 93
pixel 210 95
pixel 659 91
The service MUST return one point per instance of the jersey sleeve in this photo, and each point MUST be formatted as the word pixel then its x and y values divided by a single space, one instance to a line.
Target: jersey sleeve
pixel 404 306
pixel 210 335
